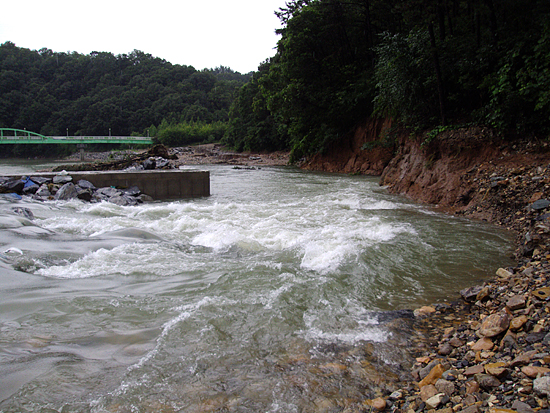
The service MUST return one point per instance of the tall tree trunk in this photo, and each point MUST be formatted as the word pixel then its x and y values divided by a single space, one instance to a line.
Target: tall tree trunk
pixel 493 20
pixel 441 19
pixel 440 88
pixel 369 35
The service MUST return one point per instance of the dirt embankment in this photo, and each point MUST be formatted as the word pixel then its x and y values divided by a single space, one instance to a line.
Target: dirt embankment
pixel 470 171
pixel 348 156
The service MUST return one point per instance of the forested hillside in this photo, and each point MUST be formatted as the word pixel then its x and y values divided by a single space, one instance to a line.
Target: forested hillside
pixel 58 93
pixel 424 63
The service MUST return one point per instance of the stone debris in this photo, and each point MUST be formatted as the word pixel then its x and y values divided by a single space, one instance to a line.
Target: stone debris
pixel 490 350
pixel 50 189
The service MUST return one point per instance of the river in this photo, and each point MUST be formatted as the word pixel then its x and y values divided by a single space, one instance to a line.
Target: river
pixel 263 297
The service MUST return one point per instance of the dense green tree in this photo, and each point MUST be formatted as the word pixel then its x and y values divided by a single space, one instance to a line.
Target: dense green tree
pixel 58 93
pixel 252 127
pixel 422 62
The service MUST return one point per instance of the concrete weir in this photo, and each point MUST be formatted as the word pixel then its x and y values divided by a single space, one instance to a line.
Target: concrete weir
pixel 160 185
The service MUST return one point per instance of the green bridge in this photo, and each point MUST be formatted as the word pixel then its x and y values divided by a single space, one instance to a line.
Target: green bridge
pixel 11 136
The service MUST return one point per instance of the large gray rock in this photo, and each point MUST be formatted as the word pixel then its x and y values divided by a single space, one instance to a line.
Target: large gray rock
pixel 30 189
pixel 470 293
pixel 12 185
pixel 62 179
pixel 108 191
pixel 132 191
pixel 124 200
pixel 84 184
pixel 66 192
pixel 541 386
pixel 84 194
pixel 41 180
pixel 43 191
pixel 540 204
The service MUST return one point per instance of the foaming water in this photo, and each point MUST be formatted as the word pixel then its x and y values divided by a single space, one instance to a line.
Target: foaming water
pixel 237 302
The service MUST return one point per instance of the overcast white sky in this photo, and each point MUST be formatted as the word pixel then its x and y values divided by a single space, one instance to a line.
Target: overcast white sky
pixel 239 34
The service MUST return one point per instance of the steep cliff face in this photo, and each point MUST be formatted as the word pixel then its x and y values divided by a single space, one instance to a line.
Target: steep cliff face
pixel 454 171
pixel 442 172
pixel 346 155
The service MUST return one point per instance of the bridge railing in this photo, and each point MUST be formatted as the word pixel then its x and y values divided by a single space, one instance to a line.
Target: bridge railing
pixel 12 136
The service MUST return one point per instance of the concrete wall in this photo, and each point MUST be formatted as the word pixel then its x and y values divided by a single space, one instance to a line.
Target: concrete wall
pixel 162 184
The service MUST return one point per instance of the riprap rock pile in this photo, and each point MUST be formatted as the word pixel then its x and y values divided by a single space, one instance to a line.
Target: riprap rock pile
pixel 61 187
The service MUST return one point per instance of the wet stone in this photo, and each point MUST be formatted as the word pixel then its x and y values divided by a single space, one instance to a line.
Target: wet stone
pixel 471 371
pixel 433 376
pixel 84 194
pixel 470 294
pixel 43 191
pixel 483 344
pixel 456 342
pixel 62 179
pixel 472 387
pixel 445 386
pixel 541 386
pixel 84 184
pixel 534 338
pixel 516 302
pixel 428 391
pixel 31 189
pixel 540 204
pixel 435 401
pixel 518 322
pixel 542 293
pixel 497 369
pixel 66 192
pixel 494 325
pixel 503 273
pixel 445 349
pixel 486 381
pixel 521 407
pixel 534 371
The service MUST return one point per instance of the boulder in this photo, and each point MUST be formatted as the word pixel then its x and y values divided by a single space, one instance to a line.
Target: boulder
pixel 540 204
pixel 494 325
pixel 62 179
pixel 470 293
pixel 108 191
pixel 541 386
pixel 84 194
pixel 13 185
pixel 149 164
pixel 40 180
pixel 123 200
pixel 43 191
pixel 132 191
pixel 30 189
pixel 66 192
pixel 84 184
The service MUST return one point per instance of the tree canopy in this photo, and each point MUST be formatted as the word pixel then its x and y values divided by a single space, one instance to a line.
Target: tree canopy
pixel 58 93
pixel 422 62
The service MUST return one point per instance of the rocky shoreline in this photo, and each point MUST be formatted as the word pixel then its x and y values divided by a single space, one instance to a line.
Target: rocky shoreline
pixel 490 351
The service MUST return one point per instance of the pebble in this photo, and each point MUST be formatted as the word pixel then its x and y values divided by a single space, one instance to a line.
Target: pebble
pixel 496 339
